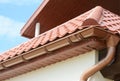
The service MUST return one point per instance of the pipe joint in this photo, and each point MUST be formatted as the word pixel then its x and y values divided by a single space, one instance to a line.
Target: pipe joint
pixel 112 41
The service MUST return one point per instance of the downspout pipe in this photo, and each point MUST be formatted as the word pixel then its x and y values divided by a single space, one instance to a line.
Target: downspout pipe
pixel 111 45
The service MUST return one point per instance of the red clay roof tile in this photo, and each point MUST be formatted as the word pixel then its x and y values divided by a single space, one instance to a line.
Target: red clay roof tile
pixel 12 53
pixel 54 34
pixel 46 38
pixel 39 39
pixel 62 30
pixel 97 15
pixel 71 27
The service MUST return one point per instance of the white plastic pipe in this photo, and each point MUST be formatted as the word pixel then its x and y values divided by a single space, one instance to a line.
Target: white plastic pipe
pixel 37 29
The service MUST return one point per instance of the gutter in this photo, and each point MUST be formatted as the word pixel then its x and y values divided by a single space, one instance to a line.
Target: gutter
pixel 54 45
pixel 111 42
pixel 93 31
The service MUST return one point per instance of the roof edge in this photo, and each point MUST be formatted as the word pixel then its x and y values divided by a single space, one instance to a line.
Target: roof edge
pixel 31 19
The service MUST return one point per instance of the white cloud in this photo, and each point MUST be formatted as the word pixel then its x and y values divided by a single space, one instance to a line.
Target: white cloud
pixel 20 2
pixel 9 27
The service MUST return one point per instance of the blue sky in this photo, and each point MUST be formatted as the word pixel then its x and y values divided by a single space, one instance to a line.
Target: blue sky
pixel 13 16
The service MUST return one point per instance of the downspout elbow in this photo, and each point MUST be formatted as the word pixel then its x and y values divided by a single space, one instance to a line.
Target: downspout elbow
pixel 111 44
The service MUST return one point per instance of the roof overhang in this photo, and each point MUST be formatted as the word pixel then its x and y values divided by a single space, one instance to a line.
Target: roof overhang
pixel 52 13
pixel 80 42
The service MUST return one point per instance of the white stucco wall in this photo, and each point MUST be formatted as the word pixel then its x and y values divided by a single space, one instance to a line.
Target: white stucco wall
pixel 68 70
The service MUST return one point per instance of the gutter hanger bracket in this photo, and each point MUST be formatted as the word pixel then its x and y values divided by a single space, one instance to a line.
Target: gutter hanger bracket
pixel 4 67
pixel 24 59
pixel 46 50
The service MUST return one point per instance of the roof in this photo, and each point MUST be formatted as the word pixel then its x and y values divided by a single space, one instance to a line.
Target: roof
pixel 96 16
pixel 52 13
pixel 77 36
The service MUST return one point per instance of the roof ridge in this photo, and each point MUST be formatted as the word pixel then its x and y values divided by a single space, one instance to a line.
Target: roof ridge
pixel 94 17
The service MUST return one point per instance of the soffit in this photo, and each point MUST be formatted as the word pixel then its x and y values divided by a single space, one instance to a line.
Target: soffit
pixel 56 12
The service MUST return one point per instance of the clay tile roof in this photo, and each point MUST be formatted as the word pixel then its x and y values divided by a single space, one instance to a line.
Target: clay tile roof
pixel 95 16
